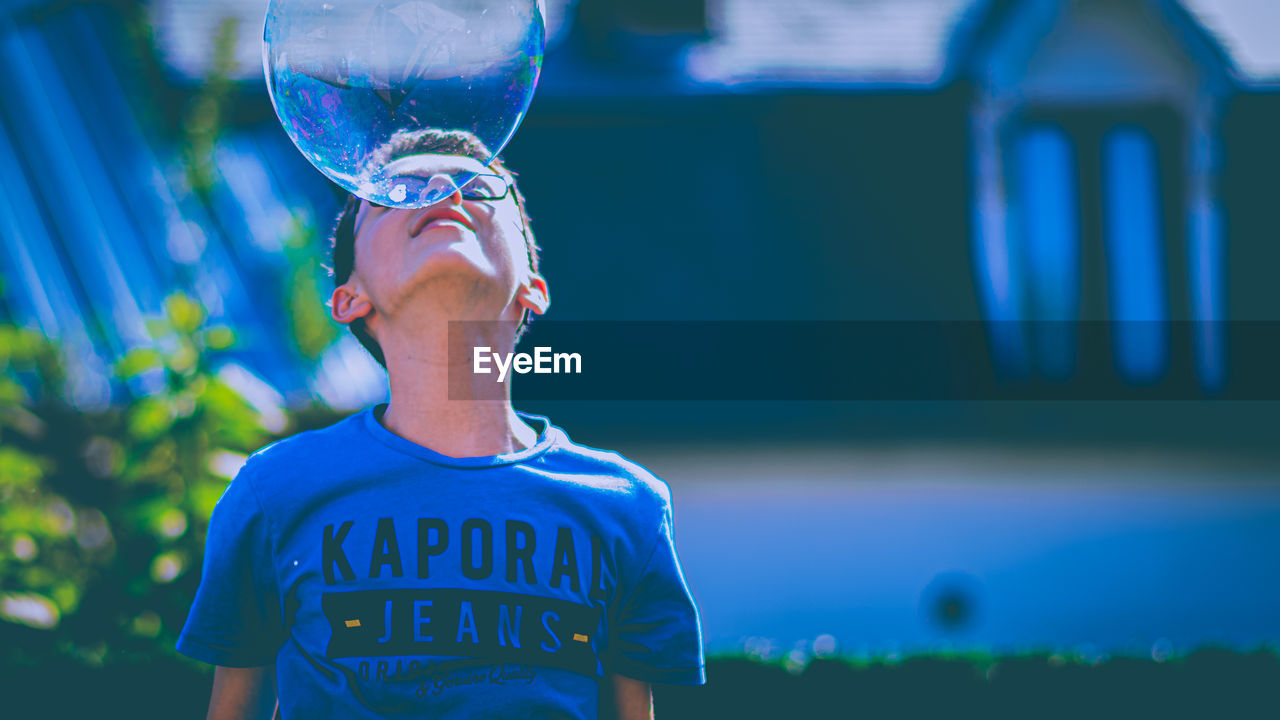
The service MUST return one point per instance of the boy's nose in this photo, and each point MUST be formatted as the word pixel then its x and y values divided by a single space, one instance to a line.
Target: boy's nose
pixel 443 187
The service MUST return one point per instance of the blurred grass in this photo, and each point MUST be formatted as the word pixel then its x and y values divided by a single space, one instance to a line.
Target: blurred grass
pixel 1209 683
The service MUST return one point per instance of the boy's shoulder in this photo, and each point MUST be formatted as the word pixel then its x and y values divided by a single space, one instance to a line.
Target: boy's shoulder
pixel 609 470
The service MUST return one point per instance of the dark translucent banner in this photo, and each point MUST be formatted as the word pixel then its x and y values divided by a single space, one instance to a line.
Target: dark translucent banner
pixel 881 361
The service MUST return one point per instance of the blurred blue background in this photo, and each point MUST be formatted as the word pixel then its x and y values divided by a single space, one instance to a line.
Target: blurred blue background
pixel 890 160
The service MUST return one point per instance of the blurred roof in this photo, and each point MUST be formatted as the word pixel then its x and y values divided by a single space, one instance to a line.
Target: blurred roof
pixel 1246 30
pixel 98 222
pixel 881 42
pixel 913 42
pixel 841 42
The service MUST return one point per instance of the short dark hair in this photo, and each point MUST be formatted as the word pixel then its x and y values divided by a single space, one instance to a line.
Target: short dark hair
pixel 403 144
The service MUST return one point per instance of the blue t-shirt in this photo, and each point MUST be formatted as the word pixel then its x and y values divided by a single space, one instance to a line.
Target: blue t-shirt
pixel 385 580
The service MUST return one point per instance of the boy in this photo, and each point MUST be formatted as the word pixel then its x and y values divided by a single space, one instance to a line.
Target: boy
pixel 441 555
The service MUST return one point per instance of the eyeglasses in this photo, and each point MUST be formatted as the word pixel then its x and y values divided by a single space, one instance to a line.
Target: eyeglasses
pixel 433 189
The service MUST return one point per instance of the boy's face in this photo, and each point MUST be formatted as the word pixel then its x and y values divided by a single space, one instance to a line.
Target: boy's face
pixel 457 259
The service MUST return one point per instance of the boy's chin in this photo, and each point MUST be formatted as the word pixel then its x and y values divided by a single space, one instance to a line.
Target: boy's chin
pixel 455 258
pixel 458 291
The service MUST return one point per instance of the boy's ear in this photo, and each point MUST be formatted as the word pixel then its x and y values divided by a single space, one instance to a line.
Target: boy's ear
pixel 349 304
pixel 533 295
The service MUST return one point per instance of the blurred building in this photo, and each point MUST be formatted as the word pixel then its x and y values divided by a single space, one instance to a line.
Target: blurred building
pixel 998 160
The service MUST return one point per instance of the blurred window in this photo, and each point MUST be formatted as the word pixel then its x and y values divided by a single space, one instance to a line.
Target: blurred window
pixel 1097 234
pixel 1050 230
pixel 1134 253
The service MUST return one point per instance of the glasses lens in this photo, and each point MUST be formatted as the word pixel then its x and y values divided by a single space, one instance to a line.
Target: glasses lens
pixel 418 191
pixel 485 187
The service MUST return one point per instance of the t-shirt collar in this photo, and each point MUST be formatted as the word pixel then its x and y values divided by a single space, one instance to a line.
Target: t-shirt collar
pixel 547 436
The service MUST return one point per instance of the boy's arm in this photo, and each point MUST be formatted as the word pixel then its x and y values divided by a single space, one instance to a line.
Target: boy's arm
pixel 243 693
pixel 633 698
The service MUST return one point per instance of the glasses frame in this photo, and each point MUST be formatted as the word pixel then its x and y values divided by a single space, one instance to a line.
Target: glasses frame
pixel 506 187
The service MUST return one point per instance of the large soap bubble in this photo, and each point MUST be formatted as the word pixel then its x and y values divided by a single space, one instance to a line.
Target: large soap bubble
pixel 348 76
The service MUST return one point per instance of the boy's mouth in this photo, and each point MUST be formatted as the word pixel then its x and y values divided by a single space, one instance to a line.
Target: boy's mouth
pixel 433 215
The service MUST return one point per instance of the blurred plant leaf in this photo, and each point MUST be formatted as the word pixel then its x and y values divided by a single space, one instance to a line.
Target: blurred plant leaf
pixel 185 314
pixel 158 327
pixel 150 418
pixel 219 337
pixel 313 329
pixel 20 469
pixel 137 361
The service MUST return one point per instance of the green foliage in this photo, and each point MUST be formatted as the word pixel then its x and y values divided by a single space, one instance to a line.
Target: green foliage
pixel 202 122
pixel 103 513
pixel 313 330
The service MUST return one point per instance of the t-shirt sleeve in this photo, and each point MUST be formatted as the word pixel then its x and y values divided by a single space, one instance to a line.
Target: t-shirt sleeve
pixel 657 636
pixel 236 619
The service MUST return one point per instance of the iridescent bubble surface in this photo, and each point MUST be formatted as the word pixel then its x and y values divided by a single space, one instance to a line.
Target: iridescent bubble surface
pixel 349 77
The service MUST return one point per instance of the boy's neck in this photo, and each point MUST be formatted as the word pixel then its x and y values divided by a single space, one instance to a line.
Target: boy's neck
pixel 460 429
pixel 439 403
